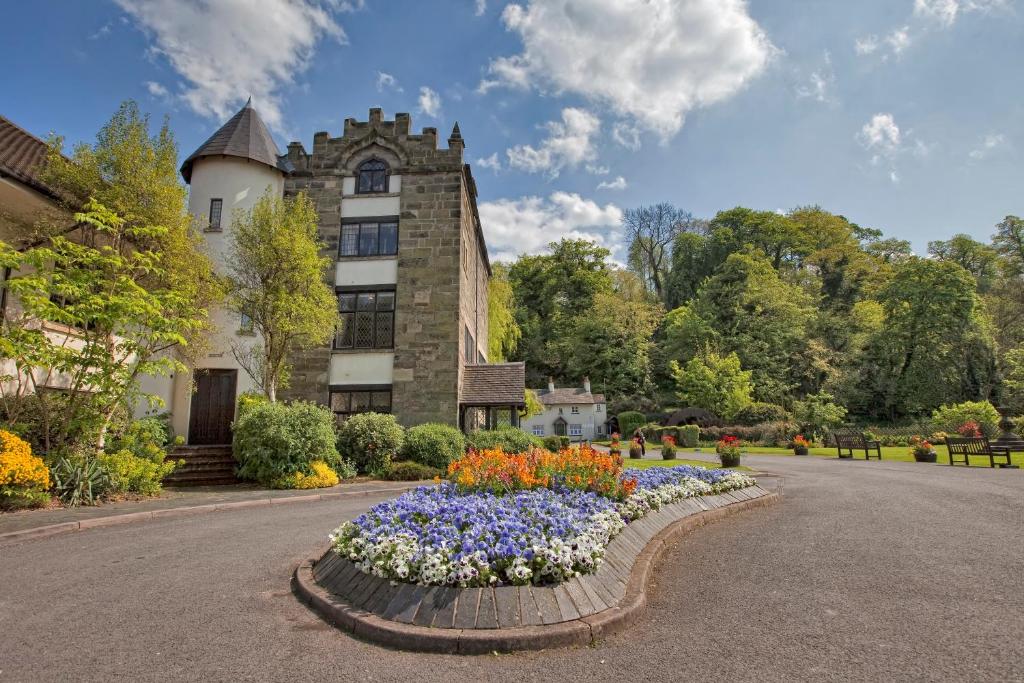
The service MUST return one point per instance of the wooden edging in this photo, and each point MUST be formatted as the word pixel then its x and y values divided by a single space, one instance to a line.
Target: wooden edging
pixel 575 632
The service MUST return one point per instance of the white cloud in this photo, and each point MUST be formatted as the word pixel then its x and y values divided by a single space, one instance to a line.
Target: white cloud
pixel 430 102
pixel 568 144
pixel 819 83
pixel 988 144
pixel 528 224
pixel 618 184
pixel 883 138
pixel 651 60
pixel 156 89
pixel 490 162
pixel 101 32
pixel 386 80
pixel 891 45
pixel 881 134
pixel 945 12
pixel 481 7
pixel 627 135
pixel 227 51
pixel 867 45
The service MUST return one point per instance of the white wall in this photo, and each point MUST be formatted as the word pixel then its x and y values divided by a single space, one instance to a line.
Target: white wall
pixel 239 183
pixel 591 418
pixel 366 271
pixel 370 367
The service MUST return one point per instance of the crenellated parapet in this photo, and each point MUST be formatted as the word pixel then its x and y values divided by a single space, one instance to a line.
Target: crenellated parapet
pixel 392 141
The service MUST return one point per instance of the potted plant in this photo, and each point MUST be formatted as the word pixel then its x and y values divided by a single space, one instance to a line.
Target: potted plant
pixel 922 450
pixel 800 445
pixel 728 449
pixel 969 430
pixel 635 451
pixel 615 448
pixel 668 448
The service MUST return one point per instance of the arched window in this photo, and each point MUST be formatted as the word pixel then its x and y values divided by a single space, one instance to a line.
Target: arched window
pixel 372 176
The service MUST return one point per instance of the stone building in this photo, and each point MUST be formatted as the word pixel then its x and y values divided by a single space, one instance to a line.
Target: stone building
pixel 398 216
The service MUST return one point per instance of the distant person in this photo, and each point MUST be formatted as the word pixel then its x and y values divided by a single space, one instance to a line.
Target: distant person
pixel 639 437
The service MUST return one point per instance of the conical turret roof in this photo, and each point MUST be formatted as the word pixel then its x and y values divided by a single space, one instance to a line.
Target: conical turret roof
pixel 244 136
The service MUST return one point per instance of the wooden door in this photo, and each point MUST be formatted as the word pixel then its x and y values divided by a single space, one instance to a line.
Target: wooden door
pixel 213 407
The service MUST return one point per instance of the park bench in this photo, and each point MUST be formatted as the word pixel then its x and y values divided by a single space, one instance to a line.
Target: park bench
pixel 851 441
pixel 966 447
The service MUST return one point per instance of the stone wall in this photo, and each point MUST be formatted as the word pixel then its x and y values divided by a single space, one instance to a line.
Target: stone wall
pixel 435 293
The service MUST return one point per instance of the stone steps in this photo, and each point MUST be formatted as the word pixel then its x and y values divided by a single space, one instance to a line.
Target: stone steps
pixel 203 466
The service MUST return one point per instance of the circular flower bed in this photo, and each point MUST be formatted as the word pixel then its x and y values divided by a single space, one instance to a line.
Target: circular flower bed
pixel 452 535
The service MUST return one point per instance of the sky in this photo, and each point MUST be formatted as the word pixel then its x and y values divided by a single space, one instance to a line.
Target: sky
pixel 902 115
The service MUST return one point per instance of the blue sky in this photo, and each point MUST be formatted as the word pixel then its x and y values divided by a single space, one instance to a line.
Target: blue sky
pixel 905 115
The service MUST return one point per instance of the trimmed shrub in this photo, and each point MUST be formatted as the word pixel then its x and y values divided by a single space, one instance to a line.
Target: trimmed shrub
pixel 130 473
pixel 757 413
pixel 408 470
pixel 778 433
pixel 689 436
pixel 509 439
pixel 249 399
pixel 371 441
pixel 433 444
pixel 322 477
pixel 951 418
pixel 274 440
pixel 554 443
pixel 24 477
pixel 630 421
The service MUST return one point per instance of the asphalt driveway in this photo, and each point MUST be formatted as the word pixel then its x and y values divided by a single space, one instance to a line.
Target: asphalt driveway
pixel 866 571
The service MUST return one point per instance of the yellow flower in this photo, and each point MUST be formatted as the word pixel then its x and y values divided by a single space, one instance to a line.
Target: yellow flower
pixel 18 467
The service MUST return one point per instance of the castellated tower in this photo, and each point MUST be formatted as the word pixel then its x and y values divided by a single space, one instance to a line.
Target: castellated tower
pixel 399 217
pixel 229 172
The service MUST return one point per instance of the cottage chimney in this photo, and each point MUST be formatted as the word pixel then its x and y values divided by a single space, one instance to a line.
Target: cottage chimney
pixel 586 384
pixel 551 383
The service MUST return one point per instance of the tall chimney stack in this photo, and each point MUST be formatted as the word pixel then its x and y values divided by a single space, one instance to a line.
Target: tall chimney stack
pixel 551 383
pixel 586 384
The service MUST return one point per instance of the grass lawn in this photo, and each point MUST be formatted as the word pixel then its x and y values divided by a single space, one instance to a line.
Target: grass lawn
pixel 644 464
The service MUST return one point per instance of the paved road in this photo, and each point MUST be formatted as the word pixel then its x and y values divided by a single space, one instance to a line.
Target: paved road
pixel 867 571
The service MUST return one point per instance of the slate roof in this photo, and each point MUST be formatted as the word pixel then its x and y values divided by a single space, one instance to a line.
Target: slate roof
pixel 22 155
pixel 244 136
pixel 493 384
pixel 568 396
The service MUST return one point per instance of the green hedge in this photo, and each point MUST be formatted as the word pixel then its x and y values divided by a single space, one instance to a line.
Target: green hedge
pixel 434 444
pixel 509 439
pixel 371 441
pixel 408 470
pixel 629 422
pixel 273 440
pixel 689 436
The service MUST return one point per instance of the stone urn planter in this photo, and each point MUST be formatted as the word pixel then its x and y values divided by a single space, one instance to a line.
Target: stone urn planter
pixel 729 459
pixel 930 456
pixel 635 453
pixel 800 450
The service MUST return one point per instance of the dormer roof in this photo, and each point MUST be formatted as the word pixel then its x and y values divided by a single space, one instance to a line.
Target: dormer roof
pixel 244 136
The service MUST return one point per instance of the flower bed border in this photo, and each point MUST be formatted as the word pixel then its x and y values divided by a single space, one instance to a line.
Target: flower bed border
pixel 510 618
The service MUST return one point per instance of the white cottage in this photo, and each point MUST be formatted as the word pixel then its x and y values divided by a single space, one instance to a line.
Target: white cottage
pixel 573 412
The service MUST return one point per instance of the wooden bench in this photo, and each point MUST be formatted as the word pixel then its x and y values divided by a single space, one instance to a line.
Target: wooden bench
pixel 966 447
pixel 851 441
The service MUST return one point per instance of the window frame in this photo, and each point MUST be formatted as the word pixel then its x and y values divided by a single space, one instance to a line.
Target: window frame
pixel 375 315
pixel 355 226
pixel 218 226
pixel 351 389
pixel 538 430
pixel 575 430
pixel 574 410
pixel 386 176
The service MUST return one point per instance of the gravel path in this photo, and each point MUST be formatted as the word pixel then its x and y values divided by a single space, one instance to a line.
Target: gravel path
pixel 866 571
